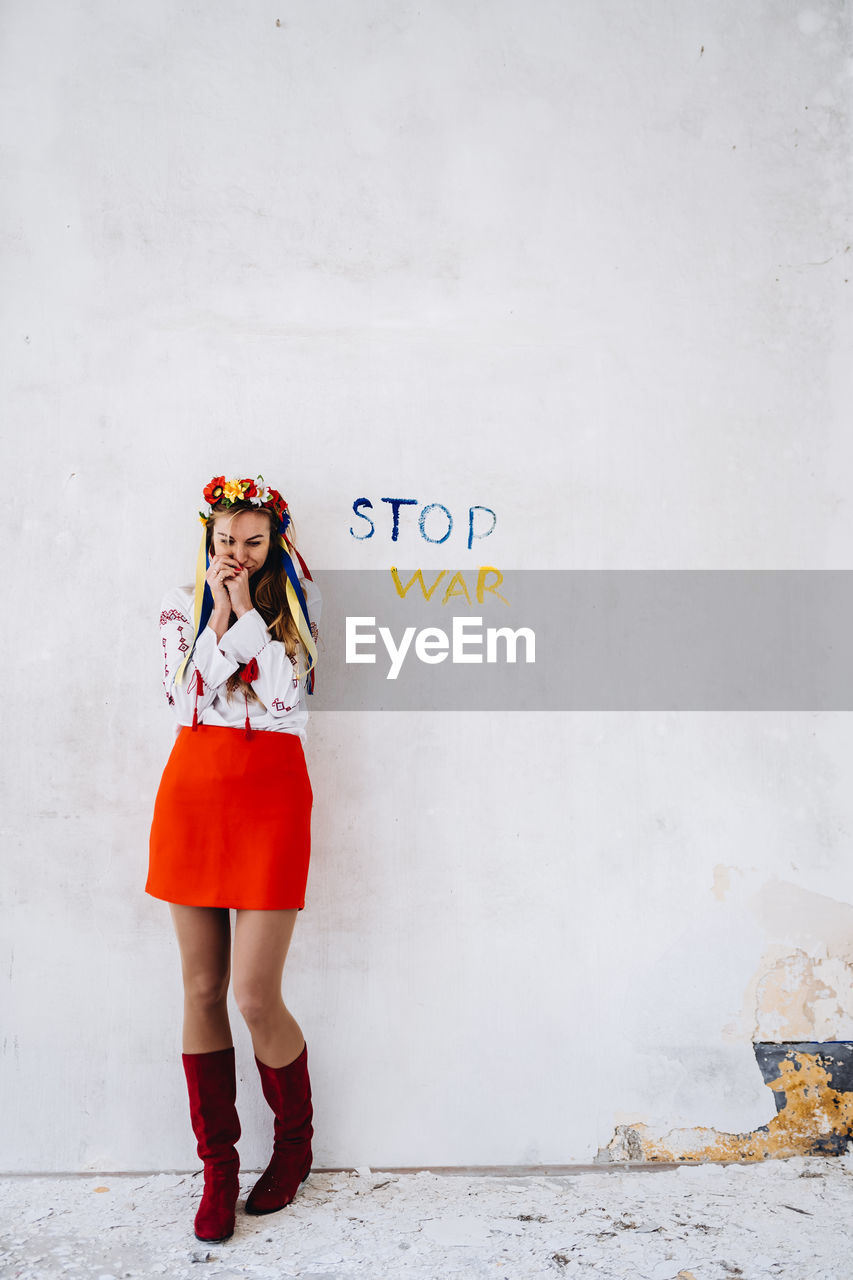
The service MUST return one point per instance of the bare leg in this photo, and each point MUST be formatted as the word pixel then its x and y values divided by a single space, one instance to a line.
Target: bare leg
pixel 261 942
pixel 204 939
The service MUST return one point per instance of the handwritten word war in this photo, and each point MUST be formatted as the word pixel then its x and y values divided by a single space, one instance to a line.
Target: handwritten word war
pixel 439 523
pixel 456 587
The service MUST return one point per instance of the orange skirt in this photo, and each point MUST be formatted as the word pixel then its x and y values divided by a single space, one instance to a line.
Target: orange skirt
pixel 232 821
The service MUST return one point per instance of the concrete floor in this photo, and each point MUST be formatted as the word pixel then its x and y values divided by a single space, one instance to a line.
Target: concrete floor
pixel 785 1218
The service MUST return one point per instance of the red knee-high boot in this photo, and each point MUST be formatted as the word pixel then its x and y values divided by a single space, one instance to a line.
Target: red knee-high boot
pixel 288 1091
pixel 212 1086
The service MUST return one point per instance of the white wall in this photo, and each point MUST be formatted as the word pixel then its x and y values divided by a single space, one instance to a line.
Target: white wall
pixel 584 263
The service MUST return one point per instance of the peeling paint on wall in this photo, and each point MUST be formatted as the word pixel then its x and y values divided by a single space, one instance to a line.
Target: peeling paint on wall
pixel 802 994
pixel 815 1115
pixel 798 1013
pixel 802 988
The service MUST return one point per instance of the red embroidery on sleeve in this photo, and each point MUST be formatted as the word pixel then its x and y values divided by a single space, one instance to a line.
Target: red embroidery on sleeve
pixel 174 615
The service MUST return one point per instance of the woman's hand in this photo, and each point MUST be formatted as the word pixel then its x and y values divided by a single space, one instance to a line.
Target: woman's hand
pixel 219 574
pixel 237 587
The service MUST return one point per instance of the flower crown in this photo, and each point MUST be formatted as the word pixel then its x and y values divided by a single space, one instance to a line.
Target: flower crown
pixel 224 493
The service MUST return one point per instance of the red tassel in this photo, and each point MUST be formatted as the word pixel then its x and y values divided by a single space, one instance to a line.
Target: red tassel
pixel 199 688
pixel 247 730
pixel 250 671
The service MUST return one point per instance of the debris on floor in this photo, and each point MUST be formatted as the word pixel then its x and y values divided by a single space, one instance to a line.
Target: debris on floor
pixel 778 1218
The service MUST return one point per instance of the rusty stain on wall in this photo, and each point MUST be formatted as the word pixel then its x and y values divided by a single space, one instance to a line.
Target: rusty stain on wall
pixel 815 1119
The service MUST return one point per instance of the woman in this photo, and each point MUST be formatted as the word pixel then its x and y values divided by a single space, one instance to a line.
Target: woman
pixel 231 828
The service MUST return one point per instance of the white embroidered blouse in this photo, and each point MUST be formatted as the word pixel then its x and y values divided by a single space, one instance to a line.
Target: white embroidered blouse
pixel 282 707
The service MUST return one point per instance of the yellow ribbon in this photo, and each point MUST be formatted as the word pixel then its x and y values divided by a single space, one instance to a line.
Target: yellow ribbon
pixel 299 618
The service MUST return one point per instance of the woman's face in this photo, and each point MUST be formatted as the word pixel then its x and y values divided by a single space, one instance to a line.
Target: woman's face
pixel 245 536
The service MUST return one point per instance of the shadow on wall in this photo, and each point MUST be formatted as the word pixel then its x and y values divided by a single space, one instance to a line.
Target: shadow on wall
pixel 813 1089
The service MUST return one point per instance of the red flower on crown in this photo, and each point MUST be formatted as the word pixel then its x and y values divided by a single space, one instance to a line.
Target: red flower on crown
pixel 276 501
pixel 213 492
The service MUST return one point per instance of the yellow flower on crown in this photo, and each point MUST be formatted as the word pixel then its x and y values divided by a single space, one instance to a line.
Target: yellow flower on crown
pixel 232 490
